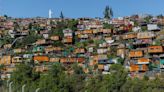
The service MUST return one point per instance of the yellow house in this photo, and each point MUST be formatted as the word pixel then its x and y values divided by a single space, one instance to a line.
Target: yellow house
pixel 54 59
pixel 19 50
pixel 54 38
pixel 7 46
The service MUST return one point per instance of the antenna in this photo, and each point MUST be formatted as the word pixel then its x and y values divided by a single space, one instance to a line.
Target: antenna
pixel 50 13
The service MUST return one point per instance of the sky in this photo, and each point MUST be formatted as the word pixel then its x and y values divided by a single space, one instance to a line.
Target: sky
pixel 79 8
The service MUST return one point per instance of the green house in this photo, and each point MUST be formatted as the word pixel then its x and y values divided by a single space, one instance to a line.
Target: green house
pixel 38 49
pixel 161 61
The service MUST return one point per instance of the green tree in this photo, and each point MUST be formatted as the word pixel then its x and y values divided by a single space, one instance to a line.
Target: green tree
pixel 61 15
pixel 160 16
pixel 24 74
pixel 108 13
pixel 107 26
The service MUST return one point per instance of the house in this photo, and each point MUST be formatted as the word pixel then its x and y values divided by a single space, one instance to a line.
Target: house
pixel 94 24
pixel 102 50
pixel 155 49
pixel 40 42
pixel 65 31
pixel 27 57
pixel 153 27
pixel 136 29
pixel 38 49
pixel 68 40
pixel 42 68
pixel 134 54
pixel 81 27
pixel 109 40
pixel 121 52
pixel 41 58
pixel 106 31
pixel 161 21
pixel 83 36
pixel 145 35
pixel 67 60
pixel 138 68
pixel 88 32
pixel 162 63
pixel 9 69
pixel 6 60
pixel 143 61
pixel 129 36
pixel 100 66
pixel 80 51
pixel 19 50
pixel 17 59
pixel 54 38
pixel 68 36
pixel 134 68
pixel 102 58
pixel 5 76
pixel 46 35
pixel 54 59
pixel 80 60
pixel 118 21
pixel 48 49
pixel 7 46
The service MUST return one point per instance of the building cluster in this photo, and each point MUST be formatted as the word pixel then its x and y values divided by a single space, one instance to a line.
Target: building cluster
pixel 136 42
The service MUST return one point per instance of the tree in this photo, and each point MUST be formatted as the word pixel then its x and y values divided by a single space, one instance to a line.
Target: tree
pixel 6 16
pixel 107 26
pixel 24 74
pixel 61 15
pixel 108 13
pixel 160 16
pixel 72 24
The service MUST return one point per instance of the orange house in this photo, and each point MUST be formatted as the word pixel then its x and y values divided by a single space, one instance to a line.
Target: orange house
pixel 41 58
pixel 80 60
pixel 134 68
pixel 135 54
pixel 6 60
pixel 88 31
pixel 155 49
pixel 143 61
pixel 144 68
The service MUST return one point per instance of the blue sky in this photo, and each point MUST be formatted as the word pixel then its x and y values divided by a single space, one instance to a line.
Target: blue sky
pixel 79 8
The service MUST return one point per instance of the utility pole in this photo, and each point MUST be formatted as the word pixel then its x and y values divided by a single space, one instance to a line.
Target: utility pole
pixel 8 83
pixel 37 90
pixel 10 88
pixel 23 87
